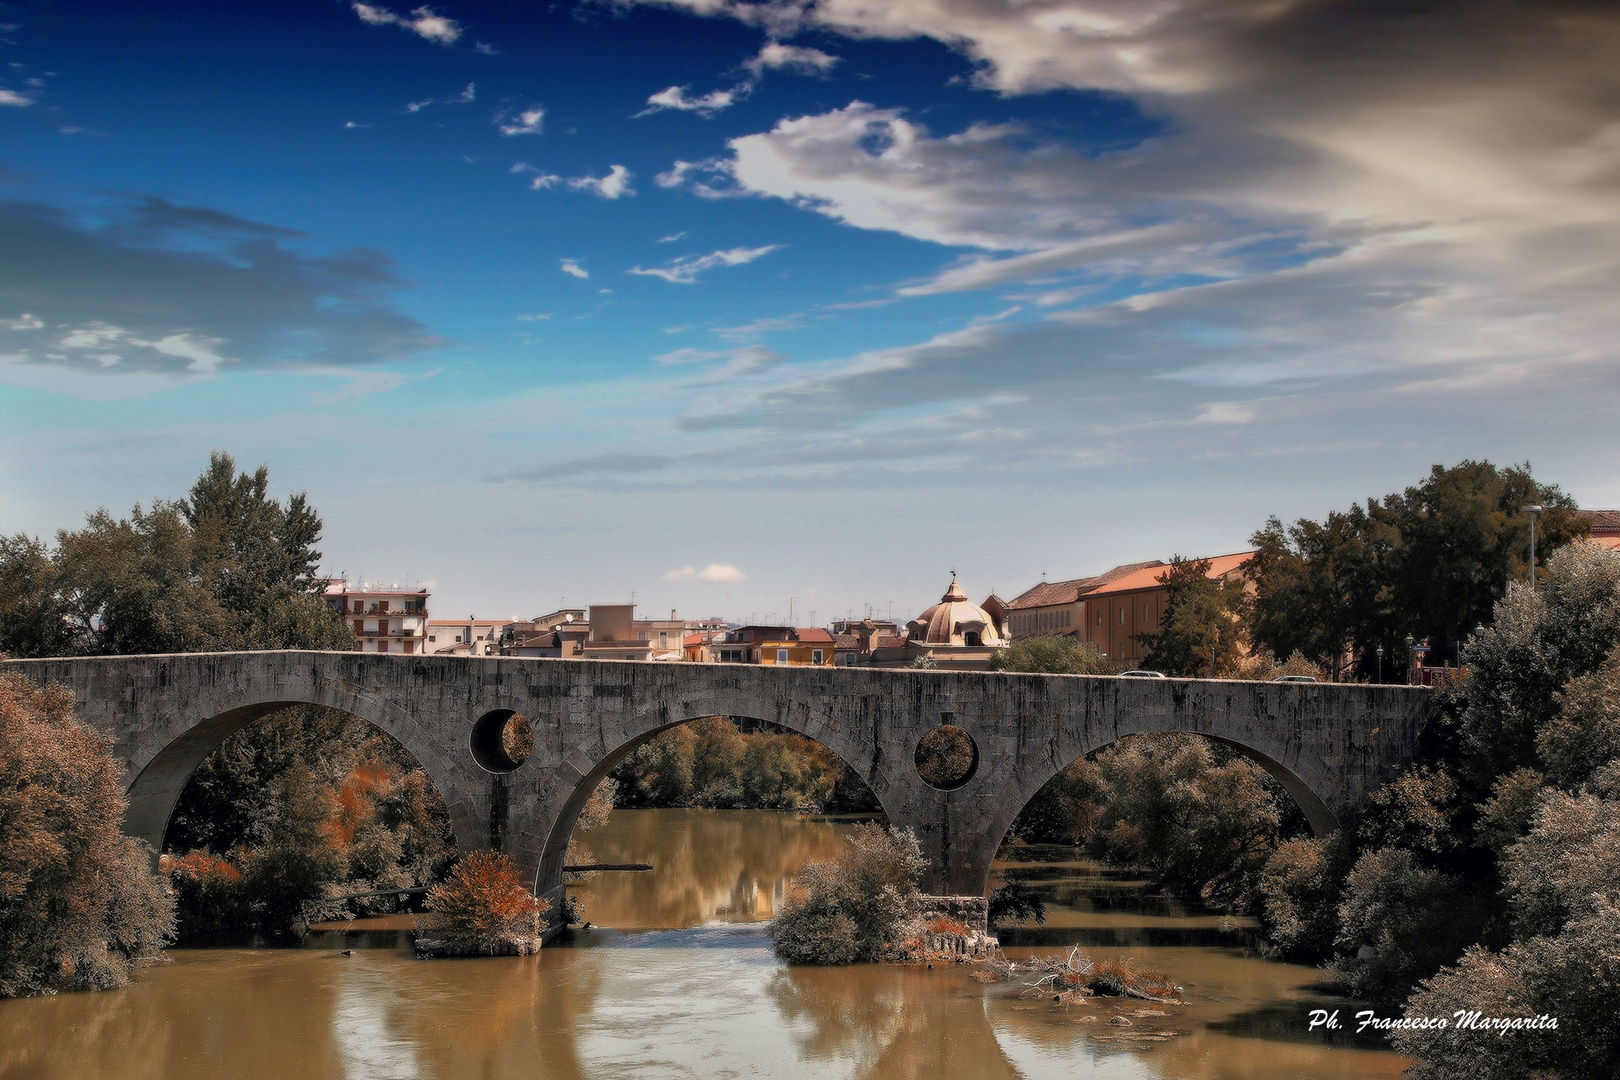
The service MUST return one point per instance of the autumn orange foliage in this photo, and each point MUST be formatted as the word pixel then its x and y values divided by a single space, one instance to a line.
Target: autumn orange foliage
pixel 484 909
pixel 79 904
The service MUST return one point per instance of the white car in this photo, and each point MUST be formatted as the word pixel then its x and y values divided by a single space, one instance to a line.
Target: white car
pixel 1141 674
pixel 1295 678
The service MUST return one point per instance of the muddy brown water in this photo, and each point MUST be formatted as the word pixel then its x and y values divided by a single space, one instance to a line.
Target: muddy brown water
pixel 681 983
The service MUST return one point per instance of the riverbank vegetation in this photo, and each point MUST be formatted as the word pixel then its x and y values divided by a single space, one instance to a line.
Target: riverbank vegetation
pixel 711 763
pixel 79 905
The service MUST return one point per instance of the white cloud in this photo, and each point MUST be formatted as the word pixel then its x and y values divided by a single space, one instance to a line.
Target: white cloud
pixel 467 96
pixel 616 184
pixel 756 327
pixel 528 122
pixel 685 270
pixel 486 49
pixel 573 269
pixel 715 573
pixel 421 22
pixel 774 56
pixel 675 98
pixel 14 99
pixel 671 238
pixel 24 321
pixel 538 316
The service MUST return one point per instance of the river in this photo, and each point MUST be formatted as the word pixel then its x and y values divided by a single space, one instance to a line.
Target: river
pixel 680 982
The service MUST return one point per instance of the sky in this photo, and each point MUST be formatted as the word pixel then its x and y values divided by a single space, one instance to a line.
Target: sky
pixel 739 308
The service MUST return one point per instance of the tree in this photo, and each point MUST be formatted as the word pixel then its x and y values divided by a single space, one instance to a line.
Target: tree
pixel 228 567
pixel 1203 634
pixel 1051 654
pixel 1430 561
pixel 79 905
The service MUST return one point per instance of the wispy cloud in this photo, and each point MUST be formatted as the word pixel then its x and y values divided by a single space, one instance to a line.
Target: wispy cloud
pixel 747 360
pixel 527 122
pixel 422 22
pixel 671 238
pixel 467 96
pixel 674 98
pixel 538 316
pixel 14 99
pixel 573 269
pixel 685 270
pixel 774 56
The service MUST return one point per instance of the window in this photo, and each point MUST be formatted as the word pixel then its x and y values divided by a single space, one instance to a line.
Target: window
pixel 1122 616
pixel 1145 615
pixel 815 656
pixel 971 639
pixel 781 656
pixel 433 637
pixel 1099 616
pixel 382 646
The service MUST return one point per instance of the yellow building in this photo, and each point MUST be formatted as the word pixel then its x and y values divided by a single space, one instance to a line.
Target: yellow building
pixel 808 647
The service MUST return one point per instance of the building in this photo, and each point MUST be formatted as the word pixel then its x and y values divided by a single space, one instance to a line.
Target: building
pixel 1605 527
pixel 741 644
pixel 954 633
pixel 803 647
pixel 470 636
pixel 384 619
pixel 1109 610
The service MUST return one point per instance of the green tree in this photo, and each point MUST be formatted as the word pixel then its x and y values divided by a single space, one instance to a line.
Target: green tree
pixel 855 908
pixel 227 567
pixel 1051 654
pixel 1430 561
pixel 1203 634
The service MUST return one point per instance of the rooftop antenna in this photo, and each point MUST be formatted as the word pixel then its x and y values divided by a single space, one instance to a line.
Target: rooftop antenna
pixel 812 618
pixel 790 610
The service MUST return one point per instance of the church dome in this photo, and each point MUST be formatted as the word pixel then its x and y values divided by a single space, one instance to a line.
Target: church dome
pixel 955 621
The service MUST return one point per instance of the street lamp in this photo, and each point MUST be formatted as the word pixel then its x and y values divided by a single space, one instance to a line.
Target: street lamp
pixel 1380 661
pixel 1532 511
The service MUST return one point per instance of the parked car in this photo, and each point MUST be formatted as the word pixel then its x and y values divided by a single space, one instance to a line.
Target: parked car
pixel 1295 678
pixel 1142 674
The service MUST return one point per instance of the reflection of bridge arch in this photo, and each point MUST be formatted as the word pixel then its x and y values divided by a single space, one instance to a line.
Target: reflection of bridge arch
pixel 1329 744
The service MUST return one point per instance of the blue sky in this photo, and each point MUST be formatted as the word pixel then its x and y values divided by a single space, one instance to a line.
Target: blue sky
pixel 724 303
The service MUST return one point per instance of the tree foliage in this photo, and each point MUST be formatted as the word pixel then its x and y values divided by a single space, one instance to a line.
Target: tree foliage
pixel 302 803
pixel 1203 634
pixel 1430 561
pixel 484 909
pixel 710 763
pixel 79 905
pixel 226 567
pixel 856 908
pixel 1051 654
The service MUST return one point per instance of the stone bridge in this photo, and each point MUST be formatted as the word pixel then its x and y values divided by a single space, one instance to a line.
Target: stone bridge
pixel 1327 744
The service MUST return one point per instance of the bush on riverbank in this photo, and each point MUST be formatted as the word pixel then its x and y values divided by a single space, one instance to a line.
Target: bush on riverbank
pixel 857 908
pixel 484 909
pixel 79 905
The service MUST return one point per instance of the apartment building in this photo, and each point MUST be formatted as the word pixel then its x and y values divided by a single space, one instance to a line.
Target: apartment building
pixel 385 619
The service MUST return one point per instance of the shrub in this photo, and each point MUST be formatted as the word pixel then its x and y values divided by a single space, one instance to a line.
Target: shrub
pixel 483 910
pixel 1399 922
pixel 857 908
pixel 210 903
pixel 1299 889
pixel 1051 654
pixel 1016 902
pixel 79 904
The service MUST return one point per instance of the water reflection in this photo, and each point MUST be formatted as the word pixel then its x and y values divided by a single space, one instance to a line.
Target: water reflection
pixel 700 995
pixel 707 864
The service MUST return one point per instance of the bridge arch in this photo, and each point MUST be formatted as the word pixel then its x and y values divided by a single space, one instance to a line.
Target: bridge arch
pixel 584 773
pixel 155 784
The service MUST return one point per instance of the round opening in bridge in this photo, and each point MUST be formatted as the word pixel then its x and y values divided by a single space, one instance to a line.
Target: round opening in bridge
pixel 947 757
pixel 502 740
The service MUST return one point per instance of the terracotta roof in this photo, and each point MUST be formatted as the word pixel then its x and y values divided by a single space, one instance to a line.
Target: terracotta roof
pixel 1148 577
pixel 846 641
pixel 1048 593
pixel 887 642
pixel 814 635
pixel 1603 521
